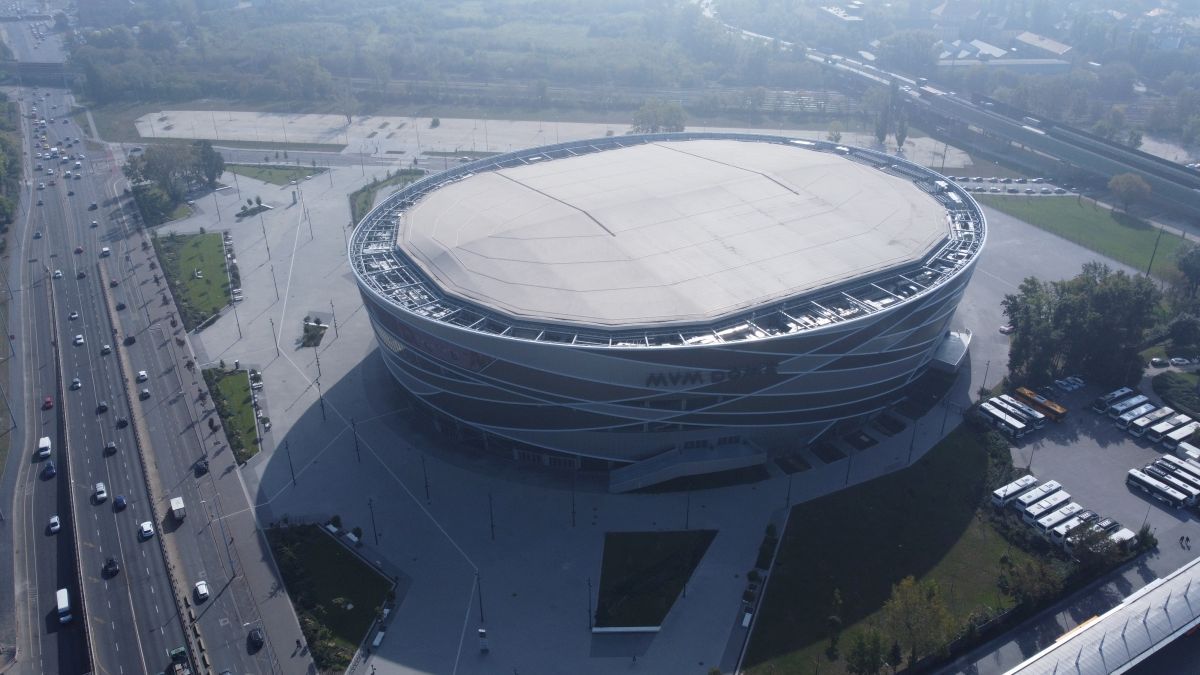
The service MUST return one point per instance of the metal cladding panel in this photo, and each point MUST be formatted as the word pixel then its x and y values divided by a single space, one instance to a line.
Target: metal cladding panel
pixel 532 392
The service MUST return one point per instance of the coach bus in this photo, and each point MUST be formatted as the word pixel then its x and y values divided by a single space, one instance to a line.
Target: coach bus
pixel 1059 534
pixel 1177 436
pixel 1143 423
pixel 1012 411
pixel 1035 495
pixel 1102 403
pixel 1181 466
pixel 1037 419
pixel 1062 514
pixel 1003 496
pixel 1051 409
pixel 1121 407
pixel 1187 450
pixel 1002 421
pixel 1154 488
pixel 1177 472
pixel 1156 432
pixel 1129 416
pixel 1046 506
pixel 1189 491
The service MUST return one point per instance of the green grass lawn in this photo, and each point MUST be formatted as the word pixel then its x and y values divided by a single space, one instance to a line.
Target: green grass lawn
pixel 180 256
pixel 1116 235
pixel 276 174
pixel 362 199
pixel 1178 390
pixel 642 574
pixel 336 595
pixel 235 406
pixel 922 521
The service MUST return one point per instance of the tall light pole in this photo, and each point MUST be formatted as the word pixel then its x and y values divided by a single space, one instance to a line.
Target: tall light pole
pixel 334 318
pixel 274 336
pixel 375 530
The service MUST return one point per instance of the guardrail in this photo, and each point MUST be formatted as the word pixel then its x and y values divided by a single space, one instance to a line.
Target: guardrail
pixel 65 460
pixel 193 636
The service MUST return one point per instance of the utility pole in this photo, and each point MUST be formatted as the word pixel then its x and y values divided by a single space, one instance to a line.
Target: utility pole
pixel 479 590
pixel 263 223
pixel 333 312
pixel 354 430
pixel 288 449
pixel 274 336
pixel 425 472
pixel 1154 252
pixel 375 530
pixel 276 282
pixel 491 517
pixel 238 322
pixel 321 398
pixel 317 353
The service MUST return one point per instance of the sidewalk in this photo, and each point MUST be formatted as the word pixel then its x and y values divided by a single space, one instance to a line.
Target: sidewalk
pixel 254 562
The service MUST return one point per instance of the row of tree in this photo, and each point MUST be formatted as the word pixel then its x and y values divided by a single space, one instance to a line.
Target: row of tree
pixel 174 168
pixel 1094 324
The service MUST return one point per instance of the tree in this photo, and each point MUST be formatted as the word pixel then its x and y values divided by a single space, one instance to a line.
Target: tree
pixel 917 616
pixel 658 116
pixel 865 656
pixel 210 163
pixel 910 51
pixel 1094 324
pixel 1184 330
pixel 1189 264
pixel 1032 582
pixel 835 620
pixel 895 656
pixel 1128 188
pixel 834 134
pixel 901 130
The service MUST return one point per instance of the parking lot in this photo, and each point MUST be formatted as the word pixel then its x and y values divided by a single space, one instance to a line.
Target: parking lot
pixel 1090 456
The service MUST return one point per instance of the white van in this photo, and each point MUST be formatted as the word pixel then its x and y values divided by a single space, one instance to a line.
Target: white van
pixel 64 605
pixel 44 447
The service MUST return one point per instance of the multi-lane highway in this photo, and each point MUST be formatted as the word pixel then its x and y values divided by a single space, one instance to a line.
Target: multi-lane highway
pixel 132 614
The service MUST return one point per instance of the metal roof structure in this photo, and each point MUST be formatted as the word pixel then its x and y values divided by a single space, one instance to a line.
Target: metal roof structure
pixel 667 232
pixel 1121 638
pixel 525 267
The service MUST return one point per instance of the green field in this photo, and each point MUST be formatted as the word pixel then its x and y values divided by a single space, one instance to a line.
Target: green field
pixel 922 521
pixel 180 256
pixel 235 406
pixel 1178 390
pixel 362 199
pixel 642 574
pixel 336 594
pixel 274 173
pixel 1112 234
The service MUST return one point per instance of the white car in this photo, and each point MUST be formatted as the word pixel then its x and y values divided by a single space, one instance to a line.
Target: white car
pixel 78 340
pixel 1179 361
pixel 75 383
pixel 73 315
pixel 101 492
pixel 201 590
pixel 142 376
pixel 55 524
pixel 57 274
pixel 146 530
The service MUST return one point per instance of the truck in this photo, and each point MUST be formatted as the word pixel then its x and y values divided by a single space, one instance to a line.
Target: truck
pixel 177 509
pixel 44 447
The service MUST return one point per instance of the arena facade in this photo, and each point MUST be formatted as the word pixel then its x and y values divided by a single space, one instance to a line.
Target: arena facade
pixel 668 304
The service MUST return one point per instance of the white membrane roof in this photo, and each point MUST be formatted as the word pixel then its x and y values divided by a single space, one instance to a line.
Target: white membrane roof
pixel 666 233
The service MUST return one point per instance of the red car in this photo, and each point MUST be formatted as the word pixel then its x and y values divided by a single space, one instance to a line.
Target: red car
pixel 47 403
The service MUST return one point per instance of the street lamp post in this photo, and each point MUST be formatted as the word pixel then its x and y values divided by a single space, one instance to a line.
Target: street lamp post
pixel 375 530
pixel 288 449
pixel 274 336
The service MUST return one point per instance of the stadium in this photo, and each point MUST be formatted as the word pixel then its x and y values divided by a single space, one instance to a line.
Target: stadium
pixel 667 304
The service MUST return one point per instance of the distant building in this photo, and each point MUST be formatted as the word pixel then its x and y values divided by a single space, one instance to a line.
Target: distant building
pixel 1032 44
pixel 842 15
pixel 975 49
pixel 1019 66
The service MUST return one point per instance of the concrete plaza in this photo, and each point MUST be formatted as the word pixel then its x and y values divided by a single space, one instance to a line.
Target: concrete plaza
pixel 481 541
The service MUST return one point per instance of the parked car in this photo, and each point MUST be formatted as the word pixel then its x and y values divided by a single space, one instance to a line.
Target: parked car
pixel 1180 361
pixel 1157 362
